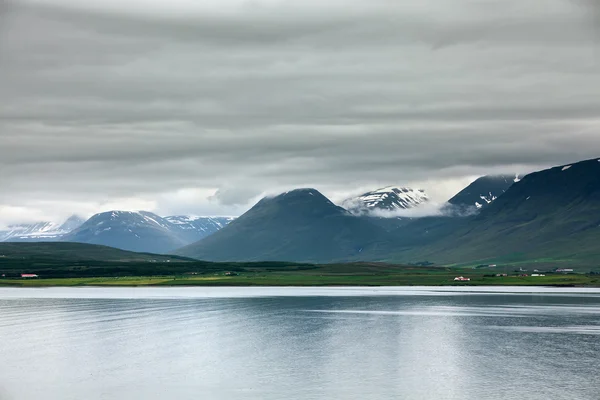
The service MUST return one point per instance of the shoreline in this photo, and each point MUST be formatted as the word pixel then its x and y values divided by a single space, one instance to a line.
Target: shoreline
pixel 333 281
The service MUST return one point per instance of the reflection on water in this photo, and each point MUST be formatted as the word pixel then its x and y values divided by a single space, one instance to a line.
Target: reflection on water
pixel 293 343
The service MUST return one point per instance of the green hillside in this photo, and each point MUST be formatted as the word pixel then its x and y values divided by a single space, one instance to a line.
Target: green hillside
pixel 65 251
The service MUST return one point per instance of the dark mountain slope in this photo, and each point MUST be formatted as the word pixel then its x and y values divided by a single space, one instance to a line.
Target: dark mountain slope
pixel 551 213
pixel 300 225
pixel 482 192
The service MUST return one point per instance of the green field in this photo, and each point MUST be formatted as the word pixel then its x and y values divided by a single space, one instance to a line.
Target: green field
pixel 324 275
pixel 68 264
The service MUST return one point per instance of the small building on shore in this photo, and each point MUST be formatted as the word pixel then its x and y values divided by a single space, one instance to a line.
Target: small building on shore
pixel 462 279
pixel 29 276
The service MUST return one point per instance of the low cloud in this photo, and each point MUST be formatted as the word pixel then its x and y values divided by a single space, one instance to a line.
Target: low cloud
pixel 430 209
pixel 234 196
pixel 422 210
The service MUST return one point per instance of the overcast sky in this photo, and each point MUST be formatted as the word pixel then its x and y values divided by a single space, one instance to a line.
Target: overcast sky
pixel 199 107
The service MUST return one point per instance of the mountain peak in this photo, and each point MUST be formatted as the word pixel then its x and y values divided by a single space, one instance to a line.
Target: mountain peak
pixel 301 192
pixel 128 218
pixel 301 202
pixel 71 223
pixel 389 198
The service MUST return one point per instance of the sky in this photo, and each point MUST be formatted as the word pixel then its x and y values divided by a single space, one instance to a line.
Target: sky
pixel 202 107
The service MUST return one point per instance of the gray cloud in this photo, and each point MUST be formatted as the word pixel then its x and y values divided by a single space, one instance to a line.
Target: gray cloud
pixel 202 106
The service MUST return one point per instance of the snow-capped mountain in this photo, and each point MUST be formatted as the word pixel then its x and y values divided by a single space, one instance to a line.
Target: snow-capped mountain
pixel 128 230
pixel 388 199
pixel 194 228
pixel 204 224
pixel 40 231
pixel 145 231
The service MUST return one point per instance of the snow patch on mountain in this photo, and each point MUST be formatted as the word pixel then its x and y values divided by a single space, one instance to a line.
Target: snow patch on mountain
pixel 481 193
pixel 487 199
pixel 517 178
pixel 129 218
pixel 206 225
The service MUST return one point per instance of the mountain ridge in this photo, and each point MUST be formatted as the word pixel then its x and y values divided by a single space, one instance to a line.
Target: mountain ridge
pixel 145 231
pixel 40 231
pixel 554 211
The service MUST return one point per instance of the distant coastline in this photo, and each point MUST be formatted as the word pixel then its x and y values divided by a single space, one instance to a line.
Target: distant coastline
pixel 298 280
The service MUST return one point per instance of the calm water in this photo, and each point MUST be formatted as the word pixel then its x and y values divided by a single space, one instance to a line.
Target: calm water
pixel 293 343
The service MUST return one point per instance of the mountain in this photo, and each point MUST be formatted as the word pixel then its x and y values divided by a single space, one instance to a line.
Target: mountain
pixel 33 231
pixel 128 230
pixel 144 231
pixel 385 199
pixel 299 225
pixel 192 228
pixel 549 216
pixel 41 231
pixel 482 192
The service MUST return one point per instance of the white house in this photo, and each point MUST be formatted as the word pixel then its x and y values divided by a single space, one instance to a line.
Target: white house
pixel 462 279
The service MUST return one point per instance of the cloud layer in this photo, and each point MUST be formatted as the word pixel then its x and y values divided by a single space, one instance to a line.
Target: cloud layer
pixel 200 107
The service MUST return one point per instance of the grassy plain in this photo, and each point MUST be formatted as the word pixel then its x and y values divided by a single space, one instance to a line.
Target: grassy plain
pixel 360 274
